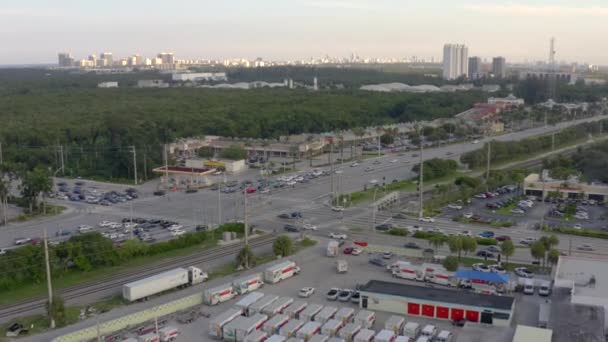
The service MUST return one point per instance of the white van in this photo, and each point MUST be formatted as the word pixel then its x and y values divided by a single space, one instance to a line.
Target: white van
pixel 444 336
pixel 529 286
pixel 429 331
pixel 544 289
pixel 423 339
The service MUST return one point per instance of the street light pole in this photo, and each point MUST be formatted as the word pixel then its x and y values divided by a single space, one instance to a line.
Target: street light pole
pixel 488 157
pixel 219 204
pixel 421 180
pixel 246 224
pixel 374 210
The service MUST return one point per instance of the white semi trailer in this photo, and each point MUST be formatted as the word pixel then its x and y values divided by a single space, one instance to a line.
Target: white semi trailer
pixel 175 278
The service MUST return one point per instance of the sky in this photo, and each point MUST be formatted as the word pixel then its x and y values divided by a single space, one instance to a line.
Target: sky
pixel 34 31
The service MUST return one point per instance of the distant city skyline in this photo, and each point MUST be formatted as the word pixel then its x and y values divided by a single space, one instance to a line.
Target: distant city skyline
pixel 34 31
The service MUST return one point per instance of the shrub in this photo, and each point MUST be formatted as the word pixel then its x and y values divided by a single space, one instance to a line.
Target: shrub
pixel 398 232
pixel 583 232
pixel 450 263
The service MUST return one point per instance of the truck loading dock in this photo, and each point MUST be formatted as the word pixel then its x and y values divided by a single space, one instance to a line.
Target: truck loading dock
pixel 436 303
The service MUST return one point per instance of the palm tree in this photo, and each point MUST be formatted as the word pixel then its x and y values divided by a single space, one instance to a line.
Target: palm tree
pixel 379 131
pixel 359 133
pixel 507 248
pixel 455 244
pixel 437 241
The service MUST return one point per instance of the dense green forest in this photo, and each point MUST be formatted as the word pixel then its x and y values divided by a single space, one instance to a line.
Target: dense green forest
pixel 591 163
pixel 97 126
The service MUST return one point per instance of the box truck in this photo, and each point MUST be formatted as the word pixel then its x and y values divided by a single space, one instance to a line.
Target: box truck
pixel 341 266
pixel 290 329
pixel 333 248
pixel 262 303
pixel 319 338
pixel 248 284
pixel 331 327
pixel 229 330
pixel 366 318
pixel 311 310
pixel 365 335
pixel 175 278
pixel 219 294
pixel 277 306
pixel 345 315
pixel 274 325
pixel 151 337
pixel 276 338
pixel 326 314
pixel 293 310
pixel 395 323
pixel 256 336
pixel 247 301
pixel 217 323
pixel 250 324
pixel 280 271
pixel 168 333
pixel 385 335
pixel 349 331
pixel 411 330
pixel 308 330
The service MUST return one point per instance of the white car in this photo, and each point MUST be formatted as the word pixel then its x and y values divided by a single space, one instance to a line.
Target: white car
pixel 356 251
pixel 306 292
pixel 83 228
pixel 178 233
pixel 454 206
pixel 585 247
pixel 527 241
pixel 115 225
pixel 309 226
pixel 395 161
pixel 467 215
pixel 466 233
pixel 517 211
pixel 130 225
pixel 475 141
pixel 2 251
pixel 175 227
pixel 498 269
pixel 354 164
pixel 265 191
pixel 577 226
pixel 523 272
pixel 337 208
pixel 426 219
pixel 480 196
pixel 106 223
pixel 338 236
pixel 481 267
pixel 413 228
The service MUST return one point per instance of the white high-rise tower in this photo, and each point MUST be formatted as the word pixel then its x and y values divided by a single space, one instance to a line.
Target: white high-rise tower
pixel 455 61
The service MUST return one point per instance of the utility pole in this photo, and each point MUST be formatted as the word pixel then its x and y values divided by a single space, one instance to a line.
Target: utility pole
pixel 48 277
pixel 134 163
pixel 156 328
pixel 219 204
pixel 373 223
pixel 331 169
pixel 420 181
pixel 145 163
pixel 246 224
pixel 166 162
pixel 62 163
pixel 488 157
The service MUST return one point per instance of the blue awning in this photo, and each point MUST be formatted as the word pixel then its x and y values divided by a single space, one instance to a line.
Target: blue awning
pixel 485 276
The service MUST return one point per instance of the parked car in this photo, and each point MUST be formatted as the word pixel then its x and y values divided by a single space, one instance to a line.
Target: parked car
pixel 356 251
pixel 411 245
pixel 485 254
pixel 356 297
pixel 348 250
pixel 527 241
pixel 384 227
pixel 306 292
pixel 454 206
pixel 387 255
pixel 291 228
pixel 498 269
pixel 377 261
pixel 339 236
pixel 480 267
pixel 426 219
pixel 284 216
pixel 345 295
pixel 585 247
pixel 523 272
pixel 333 294
pixel 487 234
pixel 22 241
pixel 502 238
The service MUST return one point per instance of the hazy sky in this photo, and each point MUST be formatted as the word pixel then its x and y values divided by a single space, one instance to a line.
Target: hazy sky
pixel 33 31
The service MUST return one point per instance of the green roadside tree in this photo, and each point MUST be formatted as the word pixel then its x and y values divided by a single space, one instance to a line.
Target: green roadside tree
pixel 507 248
pixel 436 241
pixel 469 245
pixel 234 152
pixel 34 183
pixel 56 311
pixel 537 250
pixel 450 263
pixel 206 152
pixel 282 246
pixel 455 244
pixel 245 258
pixel 553 256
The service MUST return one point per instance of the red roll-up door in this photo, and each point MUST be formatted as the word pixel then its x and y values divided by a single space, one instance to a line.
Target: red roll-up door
pixel 413 309
pixel 428 310
pixel 472 316
pixel 457 314
pixel 443 312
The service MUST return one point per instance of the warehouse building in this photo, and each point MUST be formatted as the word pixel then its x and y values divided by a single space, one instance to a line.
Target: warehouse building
pixel 437 303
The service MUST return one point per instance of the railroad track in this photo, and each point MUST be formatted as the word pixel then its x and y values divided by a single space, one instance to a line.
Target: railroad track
pixel 125 277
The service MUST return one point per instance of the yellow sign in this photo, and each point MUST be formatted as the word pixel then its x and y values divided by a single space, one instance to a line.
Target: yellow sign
pixel 214 163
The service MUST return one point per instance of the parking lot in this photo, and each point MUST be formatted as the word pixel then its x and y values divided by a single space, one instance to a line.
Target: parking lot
pixel 319 272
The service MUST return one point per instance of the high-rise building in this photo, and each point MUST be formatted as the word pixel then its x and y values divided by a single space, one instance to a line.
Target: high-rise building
pixel 167 57
pixel 107 59
pixel 475 68
pixel 499 67
pixel 455 61
pixel 65 59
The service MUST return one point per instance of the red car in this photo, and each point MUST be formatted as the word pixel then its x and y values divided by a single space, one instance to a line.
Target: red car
pixel 36 241
pixel 250 190
pixel 503 238
pixel 348 250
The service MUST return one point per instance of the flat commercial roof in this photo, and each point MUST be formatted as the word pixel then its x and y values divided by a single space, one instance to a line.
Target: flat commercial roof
pixel 524 333
pixel 439 295
pixel 183 170
pixel 588 275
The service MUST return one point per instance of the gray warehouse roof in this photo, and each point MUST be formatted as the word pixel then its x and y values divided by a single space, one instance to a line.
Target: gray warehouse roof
pixel 439 295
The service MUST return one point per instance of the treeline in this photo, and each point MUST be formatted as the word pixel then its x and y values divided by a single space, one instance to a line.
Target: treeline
pixel 88 252
pixel 96 128
pixel 504 151
pixel 537 90
pixel 436 168
pixel 591 163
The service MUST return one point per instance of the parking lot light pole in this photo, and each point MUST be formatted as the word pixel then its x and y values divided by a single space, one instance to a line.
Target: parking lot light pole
pixel 488 157
pixel 373 223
